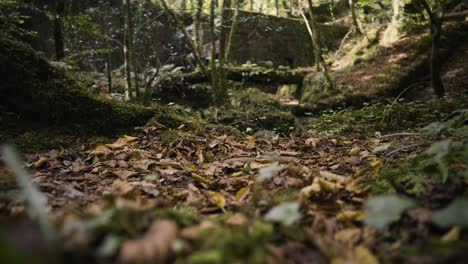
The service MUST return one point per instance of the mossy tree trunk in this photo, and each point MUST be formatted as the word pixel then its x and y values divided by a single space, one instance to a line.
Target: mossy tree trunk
pixel 315 36
pixel 197 20
pixel 222 97
pixel 352 8
pixel 232 31
pixel 436 31
pixel 213 67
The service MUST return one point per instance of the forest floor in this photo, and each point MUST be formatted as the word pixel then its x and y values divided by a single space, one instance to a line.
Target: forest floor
pixel 208 193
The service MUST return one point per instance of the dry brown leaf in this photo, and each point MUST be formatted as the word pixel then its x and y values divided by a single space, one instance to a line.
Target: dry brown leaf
pixel 349 236
pixel 154 246
pixel 124 174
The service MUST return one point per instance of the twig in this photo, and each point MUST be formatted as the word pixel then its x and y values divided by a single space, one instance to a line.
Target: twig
pixel 405 147
pixel 398 97
pixel 401 134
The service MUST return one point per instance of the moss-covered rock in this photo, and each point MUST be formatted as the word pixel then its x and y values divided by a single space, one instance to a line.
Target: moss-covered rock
pixel 41 93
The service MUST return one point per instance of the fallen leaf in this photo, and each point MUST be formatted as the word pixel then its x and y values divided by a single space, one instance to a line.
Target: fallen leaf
pixel 155 246
pixel 218 199
pixel 130 139
pixel 452 235
pixel 349 236
pixel 350 216
pixel 355 150
pixel 285 213
pixel 237 219
pixel 268 172
pixel 124 174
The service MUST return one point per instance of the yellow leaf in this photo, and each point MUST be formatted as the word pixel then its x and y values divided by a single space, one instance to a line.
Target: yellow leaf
pixel 328 186
pixel 363 255
pixel 452 235
pixel 41 162
pixel 241 192
pixel 355 151
pixel 218 199
pixel 99 150
pixel 349 236
pixel 201 178
pixel 130 139
pixel 349 216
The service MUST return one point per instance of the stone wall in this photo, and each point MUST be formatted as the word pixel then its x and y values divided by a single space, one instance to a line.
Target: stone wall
pixel 283 41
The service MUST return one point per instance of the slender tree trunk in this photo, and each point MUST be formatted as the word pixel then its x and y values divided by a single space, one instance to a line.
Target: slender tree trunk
pixel 187 37
pixel 277 7
pixel 222 93
pixel 197 20
pixel 436 32
pixel 315 36
pixel 232 31
pixel 436 79
pixel 214 72
pixel 287 7
pixel 107 64
pixel 127 50
pixel 58 30
pixel 353 15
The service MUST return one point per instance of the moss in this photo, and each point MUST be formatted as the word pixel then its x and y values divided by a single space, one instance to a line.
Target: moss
pixel 184 217
pixel 385 116
pixel 233 244
pixel 226 129
pixel 171 136
pixel 41 93
pixel 433 170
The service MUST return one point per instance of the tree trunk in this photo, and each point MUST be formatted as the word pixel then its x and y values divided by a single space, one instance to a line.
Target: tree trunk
pixel 214 72
pixel 198 14
pixel 222 93
pixel 191 44
pixel 127 50
pixel 436 32
pixel 277 7
pixel 107 64
pixel 436 79
pixel 232 31
pixel 58 30
pixel 315 36
pixel 353 15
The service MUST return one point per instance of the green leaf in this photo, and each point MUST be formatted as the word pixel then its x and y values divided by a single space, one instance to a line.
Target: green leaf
pixel 456 214
pixel 383 210
pixel 285 213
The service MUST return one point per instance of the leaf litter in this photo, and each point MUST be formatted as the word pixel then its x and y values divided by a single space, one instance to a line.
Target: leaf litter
pixel 217 198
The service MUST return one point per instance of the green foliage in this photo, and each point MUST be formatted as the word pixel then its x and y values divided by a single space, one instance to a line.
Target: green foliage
pixel 233 244
pixel 381 211
pixel 10 18
pixel 385 116
pixel 456 214
pixel 436 165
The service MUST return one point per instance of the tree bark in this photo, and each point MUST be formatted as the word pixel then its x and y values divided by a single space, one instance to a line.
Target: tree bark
pixel 127 50
pixel 222 93
pixel 58 30
pixel 191 44
pixel 436 32
pixel 353 15
pixel 198 14
pixel 232 31
pixel 315 36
